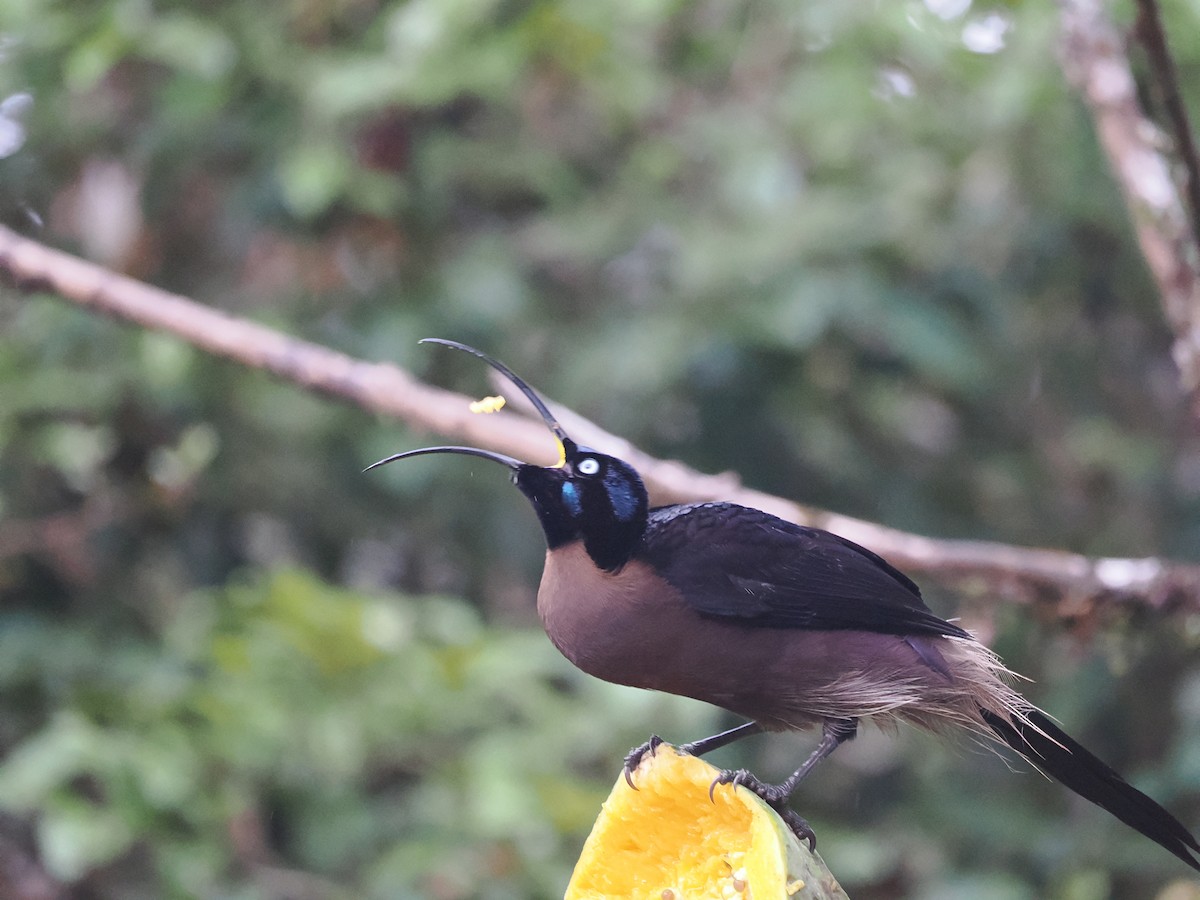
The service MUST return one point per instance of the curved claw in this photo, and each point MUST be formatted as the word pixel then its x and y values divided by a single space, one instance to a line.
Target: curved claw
pixel 730 776
pixel 799 826
pixel 772 796
pixel 634 758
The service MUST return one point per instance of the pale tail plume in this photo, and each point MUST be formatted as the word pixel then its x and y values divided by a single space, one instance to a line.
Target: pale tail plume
pixel 976 680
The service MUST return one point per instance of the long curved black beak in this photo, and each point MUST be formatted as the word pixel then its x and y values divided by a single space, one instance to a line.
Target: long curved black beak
pixel 465 451
pixel 539 405
pixel 566 445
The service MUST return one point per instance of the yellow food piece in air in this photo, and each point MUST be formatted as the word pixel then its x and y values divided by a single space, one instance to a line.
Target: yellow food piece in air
pixel 487 405
pixel 668 841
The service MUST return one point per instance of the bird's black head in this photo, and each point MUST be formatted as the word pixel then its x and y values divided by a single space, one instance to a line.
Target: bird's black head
pixel 588 496
pixel 592 497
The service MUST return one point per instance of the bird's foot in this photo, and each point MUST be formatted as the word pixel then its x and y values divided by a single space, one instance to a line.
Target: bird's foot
pixel 634 758
pixel 774 795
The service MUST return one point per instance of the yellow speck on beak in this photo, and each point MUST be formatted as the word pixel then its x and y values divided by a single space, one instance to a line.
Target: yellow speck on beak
pixel 562 456
pixel 487 405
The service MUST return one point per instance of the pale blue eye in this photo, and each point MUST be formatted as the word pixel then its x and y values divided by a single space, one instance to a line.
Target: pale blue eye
pixel 588 466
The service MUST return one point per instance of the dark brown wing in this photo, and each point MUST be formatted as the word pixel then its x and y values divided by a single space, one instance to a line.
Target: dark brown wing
pixel 734 562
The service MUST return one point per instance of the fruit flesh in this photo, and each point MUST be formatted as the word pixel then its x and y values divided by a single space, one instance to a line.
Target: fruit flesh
pixel 668 841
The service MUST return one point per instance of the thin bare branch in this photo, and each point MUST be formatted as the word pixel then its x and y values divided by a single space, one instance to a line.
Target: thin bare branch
pixel 1153 37
pixel 1077 584
pixel 380 388
pixel 1093 58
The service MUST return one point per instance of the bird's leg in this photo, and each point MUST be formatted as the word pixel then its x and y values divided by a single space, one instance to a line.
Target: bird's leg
pixel 695 748
pixel 708 744
pixel 833 734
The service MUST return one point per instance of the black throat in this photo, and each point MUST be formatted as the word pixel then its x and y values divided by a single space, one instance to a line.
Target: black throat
pixel 543 487
pixel 571 511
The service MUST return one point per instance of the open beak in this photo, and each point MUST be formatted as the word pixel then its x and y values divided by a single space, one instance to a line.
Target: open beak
pixel 565 444
pixel 466 451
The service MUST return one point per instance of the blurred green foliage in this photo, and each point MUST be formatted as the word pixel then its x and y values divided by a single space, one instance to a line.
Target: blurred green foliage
pixel 392 744
pixel 866 255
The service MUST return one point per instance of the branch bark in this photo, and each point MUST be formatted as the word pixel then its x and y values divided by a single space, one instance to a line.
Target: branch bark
pixel 1153 37
pixel 1077 585
pixel 1094 60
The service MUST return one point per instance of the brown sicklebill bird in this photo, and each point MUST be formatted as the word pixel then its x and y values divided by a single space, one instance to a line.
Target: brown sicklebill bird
pixel 788 626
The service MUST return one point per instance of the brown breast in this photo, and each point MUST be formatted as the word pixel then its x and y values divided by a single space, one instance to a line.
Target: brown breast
pixel 634 628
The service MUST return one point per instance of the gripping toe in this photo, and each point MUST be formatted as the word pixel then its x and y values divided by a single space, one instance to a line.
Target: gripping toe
pixel 774 795
pixel 635 756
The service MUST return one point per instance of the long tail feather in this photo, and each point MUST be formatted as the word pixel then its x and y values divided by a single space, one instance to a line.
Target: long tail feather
pixel 1048 747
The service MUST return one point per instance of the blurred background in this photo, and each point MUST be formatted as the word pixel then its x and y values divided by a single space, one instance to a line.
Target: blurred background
pixel 867 255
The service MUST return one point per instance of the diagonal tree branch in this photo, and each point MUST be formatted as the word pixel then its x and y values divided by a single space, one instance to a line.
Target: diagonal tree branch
pixel 1076 584
pixel 1153 36
pixel 1094 60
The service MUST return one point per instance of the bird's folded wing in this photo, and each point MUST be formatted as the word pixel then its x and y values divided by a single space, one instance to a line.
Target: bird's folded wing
pixel 739 563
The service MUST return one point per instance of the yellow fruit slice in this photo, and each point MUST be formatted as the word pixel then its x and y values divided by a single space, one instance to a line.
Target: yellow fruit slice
pixel 668 841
